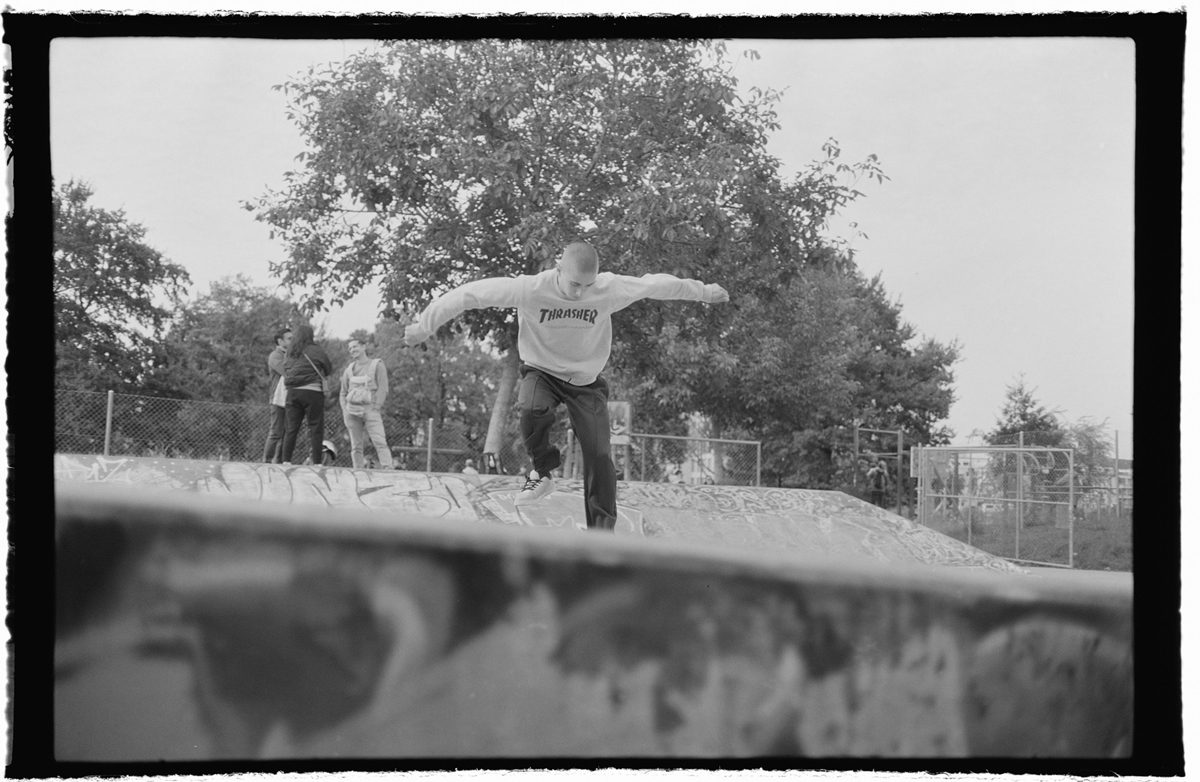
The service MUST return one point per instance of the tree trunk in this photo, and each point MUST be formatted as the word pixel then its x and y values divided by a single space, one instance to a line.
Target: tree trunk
pixel 718 450
pixel 500 409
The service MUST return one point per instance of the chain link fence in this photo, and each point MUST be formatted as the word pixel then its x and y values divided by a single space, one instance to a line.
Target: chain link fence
pixel 133 425
pixel 1104 486
pixel 1017 503
pixel 676 459
pixel 883 449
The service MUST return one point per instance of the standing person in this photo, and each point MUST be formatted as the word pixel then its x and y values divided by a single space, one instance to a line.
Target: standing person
pixel 303 371
pixel 877 483
pixel 278 395
pixel 364 388
pixel 564 339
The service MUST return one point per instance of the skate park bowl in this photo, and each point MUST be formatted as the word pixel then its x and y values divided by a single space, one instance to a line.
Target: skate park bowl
pixel 231 611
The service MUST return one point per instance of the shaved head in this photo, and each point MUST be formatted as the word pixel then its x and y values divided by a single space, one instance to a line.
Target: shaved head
pixel 577 270
pixel 581 257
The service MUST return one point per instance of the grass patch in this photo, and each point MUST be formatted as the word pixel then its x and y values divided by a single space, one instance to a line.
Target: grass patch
pixel 1102 539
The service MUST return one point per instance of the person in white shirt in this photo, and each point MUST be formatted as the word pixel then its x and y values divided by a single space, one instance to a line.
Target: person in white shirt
pixel 364 388
pixel 278 395
pixel 564 340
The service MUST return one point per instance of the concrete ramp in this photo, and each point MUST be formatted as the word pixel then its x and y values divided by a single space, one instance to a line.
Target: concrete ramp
pixel 363 620
pixel 828 523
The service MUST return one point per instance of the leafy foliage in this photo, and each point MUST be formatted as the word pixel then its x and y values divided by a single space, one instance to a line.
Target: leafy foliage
pixel 801 366
pixel 452 382
pixel 430 163
pixel 902 382
pixel 1093 451
pixel 1022 413
pixel 1024 419
pixel 112 294
pixel 217 346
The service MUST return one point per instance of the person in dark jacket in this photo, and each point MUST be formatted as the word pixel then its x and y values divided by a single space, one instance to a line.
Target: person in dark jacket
pixel 878 481
pixel 306 365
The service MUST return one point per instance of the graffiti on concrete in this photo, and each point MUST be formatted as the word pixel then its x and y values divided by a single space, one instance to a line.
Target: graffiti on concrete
pixel 747 517
pixel 436 495
pixel 826 521
pixel 186 641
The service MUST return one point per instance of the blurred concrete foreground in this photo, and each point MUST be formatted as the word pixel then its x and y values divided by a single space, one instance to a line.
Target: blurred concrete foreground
pixel 211 610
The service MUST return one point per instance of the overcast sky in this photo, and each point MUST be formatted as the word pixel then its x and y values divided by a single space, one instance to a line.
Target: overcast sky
pixel 1007 222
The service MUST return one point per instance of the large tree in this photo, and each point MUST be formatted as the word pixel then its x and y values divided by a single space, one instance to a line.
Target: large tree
pixel 903 381
pixel 217 345
pixel 113 294
pixel 799 367
pixel 1093 452
pixel 452 381
pixel 1024 419
pixel 209 376
pixel 433 163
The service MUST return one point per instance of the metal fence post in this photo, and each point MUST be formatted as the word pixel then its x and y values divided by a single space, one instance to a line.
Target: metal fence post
pixel 758 464
pixel 108 419
pixel 1071 510
pixel 855 484
pixel 1117 470
pixel 916 468
pixel 1020 493
pixel 429 447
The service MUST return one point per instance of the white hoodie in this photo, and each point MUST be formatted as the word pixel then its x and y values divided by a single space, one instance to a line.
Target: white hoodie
pixel 569 339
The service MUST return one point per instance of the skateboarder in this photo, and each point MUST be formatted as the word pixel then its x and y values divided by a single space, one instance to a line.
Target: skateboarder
pixel 564 340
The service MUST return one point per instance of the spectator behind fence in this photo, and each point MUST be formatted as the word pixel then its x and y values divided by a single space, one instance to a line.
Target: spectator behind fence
pixel 277 395
pixel 877 483
pixel 306 364
pixel 364 388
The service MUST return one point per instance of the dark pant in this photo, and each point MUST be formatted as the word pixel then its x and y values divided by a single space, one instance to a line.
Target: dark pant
pixel 304 403
pixel 274 446
pixel 537 399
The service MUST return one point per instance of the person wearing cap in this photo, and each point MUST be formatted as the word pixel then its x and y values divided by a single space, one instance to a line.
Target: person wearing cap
pixel 564 340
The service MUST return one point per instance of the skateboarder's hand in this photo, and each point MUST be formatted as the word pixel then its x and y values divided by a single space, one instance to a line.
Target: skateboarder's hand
pixel 715 294
pixel 413 336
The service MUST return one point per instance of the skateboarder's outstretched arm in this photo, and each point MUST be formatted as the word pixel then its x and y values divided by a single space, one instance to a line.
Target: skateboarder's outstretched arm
pixel 669 287
pixel 480 294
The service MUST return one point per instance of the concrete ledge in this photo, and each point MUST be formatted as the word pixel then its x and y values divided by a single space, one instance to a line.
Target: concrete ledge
pixel 825 522
pixel 204 627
